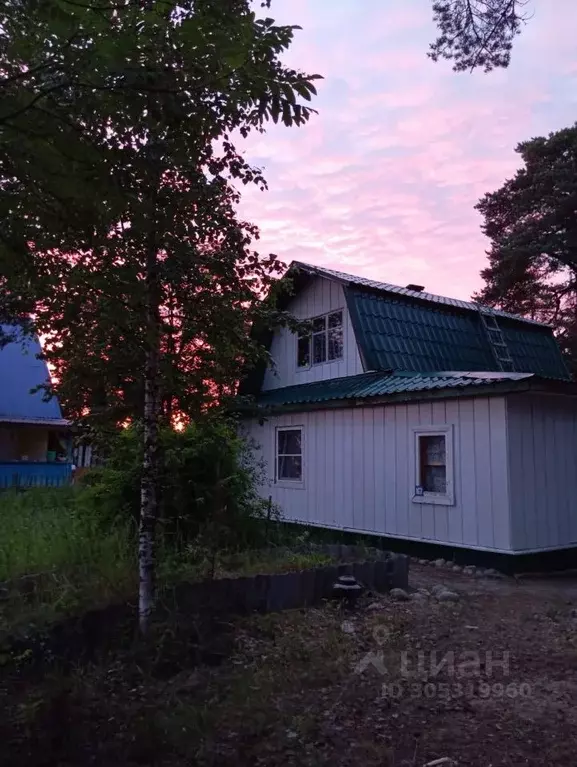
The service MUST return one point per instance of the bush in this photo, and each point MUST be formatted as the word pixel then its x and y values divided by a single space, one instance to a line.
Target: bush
pixel 208 485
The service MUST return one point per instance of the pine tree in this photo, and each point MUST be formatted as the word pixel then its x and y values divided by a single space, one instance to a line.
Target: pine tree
pixel 477 33
pixel 531 224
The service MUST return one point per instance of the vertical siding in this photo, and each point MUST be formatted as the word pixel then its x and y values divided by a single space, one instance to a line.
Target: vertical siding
pixel 392 513
pixel 328 468
pixel 501 521
pixel 482 448
pixel 455 522
pixel 360 471
pixel 380 470
pixel 420 520
pixel 356 458
pixel 441 513
pixel 543 471
pixel 320 297
pixel 336 473
pixel 401 437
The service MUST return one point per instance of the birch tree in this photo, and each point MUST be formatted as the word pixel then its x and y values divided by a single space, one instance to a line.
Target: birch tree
pixel 118 190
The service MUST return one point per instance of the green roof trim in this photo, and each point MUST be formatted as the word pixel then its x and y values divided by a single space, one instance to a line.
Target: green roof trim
pixel 377 385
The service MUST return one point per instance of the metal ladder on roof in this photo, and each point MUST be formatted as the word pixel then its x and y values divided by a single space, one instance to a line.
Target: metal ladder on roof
pixel 496 339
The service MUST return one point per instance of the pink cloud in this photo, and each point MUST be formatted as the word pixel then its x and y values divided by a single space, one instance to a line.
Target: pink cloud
pixel 383 182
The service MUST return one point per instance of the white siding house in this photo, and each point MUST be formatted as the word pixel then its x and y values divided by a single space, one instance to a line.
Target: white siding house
pixel 380 441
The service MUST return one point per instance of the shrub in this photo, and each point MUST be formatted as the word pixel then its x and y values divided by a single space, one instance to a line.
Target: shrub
pixel 208 485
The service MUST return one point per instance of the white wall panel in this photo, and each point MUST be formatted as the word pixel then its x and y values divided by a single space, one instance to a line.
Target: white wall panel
pixel 542 471
pixel 320 297
pixel 359 471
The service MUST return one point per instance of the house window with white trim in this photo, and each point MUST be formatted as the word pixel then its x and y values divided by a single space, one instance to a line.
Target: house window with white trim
pixel 289 454
pixel 434 465
pixel 323 343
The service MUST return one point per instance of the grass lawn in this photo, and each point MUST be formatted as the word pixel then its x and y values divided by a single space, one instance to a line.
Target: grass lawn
pixel 58 557
pixel 289 690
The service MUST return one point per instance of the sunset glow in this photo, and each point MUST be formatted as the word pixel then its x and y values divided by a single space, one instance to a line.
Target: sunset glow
pixel 382 183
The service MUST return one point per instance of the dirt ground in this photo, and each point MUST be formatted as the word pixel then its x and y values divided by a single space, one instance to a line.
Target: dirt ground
pixel 488 680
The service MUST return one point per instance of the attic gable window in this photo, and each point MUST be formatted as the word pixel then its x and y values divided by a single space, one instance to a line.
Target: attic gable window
pixel 324 343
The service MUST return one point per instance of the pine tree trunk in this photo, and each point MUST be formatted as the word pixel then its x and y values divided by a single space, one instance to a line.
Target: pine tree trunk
pixel 150 464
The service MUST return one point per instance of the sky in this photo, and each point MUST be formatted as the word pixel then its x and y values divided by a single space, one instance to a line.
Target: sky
pixel 382 183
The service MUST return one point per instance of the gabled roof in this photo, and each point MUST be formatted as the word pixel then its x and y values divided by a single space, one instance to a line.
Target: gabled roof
pixel 404 387
pixel 385 287
pixel 407 330
pixel 20 372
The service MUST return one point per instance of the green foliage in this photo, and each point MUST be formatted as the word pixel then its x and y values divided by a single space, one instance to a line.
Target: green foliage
pixel 47 530
pixel 119 231
pixel 531 224
pixel 117 154
pixel 57 556
pixel 207 487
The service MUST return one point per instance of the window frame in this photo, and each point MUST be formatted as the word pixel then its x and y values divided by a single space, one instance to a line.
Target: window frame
pixel 297 483
pixel 440 499
pixel 324 333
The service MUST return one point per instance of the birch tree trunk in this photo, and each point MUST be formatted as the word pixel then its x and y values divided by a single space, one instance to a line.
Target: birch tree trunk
pixel 149 482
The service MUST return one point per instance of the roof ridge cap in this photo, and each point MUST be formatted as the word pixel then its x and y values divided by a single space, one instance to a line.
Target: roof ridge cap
pixel 399 290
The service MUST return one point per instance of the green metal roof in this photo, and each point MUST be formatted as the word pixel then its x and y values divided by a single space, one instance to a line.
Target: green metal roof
pixel 397 290
pixel 369 385
pixel 534 349
pixel 403 330
pixel 400 333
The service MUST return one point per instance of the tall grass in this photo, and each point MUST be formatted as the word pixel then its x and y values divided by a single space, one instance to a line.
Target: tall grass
pixel 66 549
pixel 51 529
pixel 56 553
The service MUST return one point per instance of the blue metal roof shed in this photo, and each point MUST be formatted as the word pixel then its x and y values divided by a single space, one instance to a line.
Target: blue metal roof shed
pixel 20 372
pixel 34 448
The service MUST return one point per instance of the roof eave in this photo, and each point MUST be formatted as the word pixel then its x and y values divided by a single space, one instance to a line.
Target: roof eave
pixel 498 388
pixel 23 421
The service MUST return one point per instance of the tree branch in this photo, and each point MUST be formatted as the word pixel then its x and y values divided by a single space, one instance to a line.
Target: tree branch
pixel 489 35
pixel 30 72
pixel 35 100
